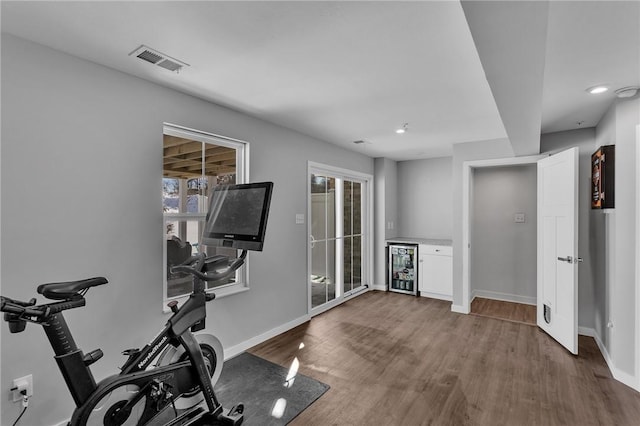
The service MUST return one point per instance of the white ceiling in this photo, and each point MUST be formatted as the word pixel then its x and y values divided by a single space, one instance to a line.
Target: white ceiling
pixel 589 43
pixel 347 71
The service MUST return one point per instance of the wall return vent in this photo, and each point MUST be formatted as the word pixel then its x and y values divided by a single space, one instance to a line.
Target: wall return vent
pixel 157 58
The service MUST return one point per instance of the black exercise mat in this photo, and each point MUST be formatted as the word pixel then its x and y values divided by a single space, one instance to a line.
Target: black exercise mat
pixel 259 385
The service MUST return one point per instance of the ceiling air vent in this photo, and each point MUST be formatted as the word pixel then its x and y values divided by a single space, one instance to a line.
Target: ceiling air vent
pixel 157 58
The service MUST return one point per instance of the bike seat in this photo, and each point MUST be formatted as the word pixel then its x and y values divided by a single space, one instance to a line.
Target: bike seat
pixel 70 289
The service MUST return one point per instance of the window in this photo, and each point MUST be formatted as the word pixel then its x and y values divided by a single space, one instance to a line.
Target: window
pixel 193 163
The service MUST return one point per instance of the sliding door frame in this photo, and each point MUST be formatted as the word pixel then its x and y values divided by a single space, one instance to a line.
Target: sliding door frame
pixel 366 181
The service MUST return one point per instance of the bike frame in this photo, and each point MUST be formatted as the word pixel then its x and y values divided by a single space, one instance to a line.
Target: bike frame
pixel 159 385
pixel 181 376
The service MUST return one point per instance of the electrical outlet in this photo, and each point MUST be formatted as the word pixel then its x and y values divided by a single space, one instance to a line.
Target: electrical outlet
pixel 22 384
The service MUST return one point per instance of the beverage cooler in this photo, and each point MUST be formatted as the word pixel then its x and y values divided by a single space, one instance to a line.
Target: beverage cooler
pixel 402 269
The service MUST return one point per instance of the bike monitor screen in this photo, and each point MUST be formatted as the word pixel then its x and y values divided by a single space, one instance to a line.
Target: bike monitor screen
pixel 237 216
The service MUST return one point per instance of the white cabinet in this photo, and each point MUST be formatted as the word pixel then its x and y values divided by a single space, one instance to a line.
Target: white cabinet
pixel 435 271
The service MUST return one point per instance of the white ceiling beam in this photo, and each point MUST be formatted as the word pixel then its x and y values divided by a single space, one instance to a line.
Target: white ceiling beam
pixel 510 38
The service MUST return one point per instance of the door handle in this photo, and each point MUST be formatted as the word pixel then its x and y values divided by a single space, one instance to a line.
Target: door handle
pixel 570 259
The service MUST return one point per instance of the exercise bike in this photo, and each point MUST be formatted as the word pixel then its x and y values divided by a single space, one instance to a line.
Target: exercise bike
pixel 169 391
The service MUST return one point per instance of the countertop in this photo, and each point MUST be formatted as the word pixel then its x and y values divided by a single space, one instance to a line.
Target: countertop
pixel 427 241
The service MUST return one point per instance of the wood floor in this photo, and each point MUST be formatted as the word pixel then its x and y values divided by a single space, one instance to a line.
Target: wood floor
pixel 509 311
pixel 393 359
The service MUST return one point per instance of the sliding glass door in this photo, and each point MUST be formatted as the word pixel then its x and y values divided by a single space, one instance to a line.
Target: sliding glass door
pixel 338 222
pixel 323 239
pixel 352 235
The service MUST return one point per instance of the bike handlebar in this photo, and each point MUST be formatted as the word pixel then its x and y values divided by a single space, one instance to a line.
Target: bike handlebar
pixel 29 309
pixel 18 307
pixel 195 265
pixel 18 302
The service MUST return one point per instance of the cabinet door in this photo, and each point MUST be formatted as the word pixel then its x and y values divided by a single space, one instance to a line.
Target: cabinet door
pixel 436 272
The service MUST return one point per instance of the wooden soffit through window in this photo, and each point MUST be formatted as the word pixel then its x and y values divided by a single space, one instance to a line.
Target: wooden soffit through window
pixel 182 158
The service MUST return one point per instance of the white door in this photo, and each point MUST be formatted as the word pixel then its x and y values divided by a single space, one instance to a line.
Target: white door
pixel 558 247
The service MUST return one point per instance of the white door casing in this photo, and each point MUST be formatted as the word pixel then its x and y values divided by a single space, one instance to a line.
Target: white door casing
pixel 557 247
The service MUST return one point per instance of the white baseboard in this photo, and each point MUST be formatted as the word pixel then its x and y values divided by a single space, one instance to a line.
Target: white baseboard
pixel 505 297
pixel 460 309
pixel 241 347
pixel 621 376
pixel 436 296
pixel 588 331
pixel 379 287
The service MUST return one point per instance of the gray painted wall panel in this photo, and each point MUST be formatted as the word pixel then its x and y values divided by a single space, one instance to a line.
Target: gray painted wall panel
pixel 425 189
pixel 385 213
pixel 624 265
pixel 603 239
pixel 498 148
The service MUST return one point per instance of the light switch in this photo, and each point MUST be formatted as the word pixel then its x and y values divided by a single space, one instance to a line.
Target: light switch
pixel 299 218
pixel 519 218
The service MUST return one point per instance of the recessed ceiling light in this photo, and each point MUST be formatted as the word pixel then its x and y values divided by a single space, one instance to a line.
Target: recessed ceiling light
pixel 403 129
pixel 597 89
pixel 627 92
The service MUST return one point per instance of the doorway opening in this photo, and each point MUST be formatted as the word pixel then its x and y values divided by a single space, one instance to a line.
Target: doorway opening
pixel 503 238
pixel 473 230
pixel 520 313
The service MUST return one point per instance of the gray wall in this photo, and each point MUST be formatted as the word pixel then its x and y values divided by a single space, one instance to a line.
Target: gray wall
pixel 503 253
pixel 498 148
pixel 584 139
pixel 618 127
pixel 81 196
pixel 603 242
pixel 385 214
pixel 624 287
pixel 424 198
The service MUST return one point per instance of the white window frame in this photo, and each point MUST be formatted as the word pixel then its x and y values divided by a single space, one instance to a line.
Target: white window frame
pixel 242 176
